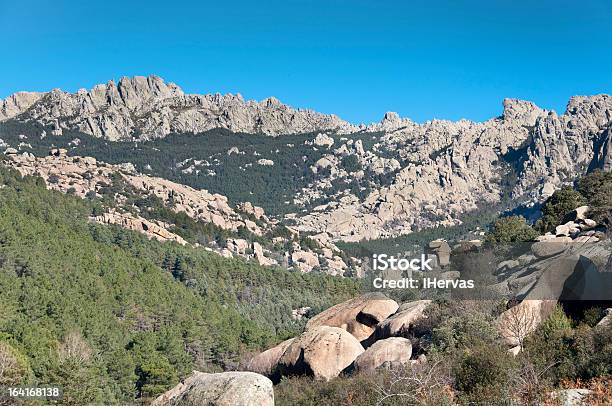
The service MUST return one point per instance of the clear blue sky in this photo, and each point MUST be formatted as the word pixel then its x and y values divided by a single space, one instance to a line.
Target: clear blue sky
pixel 424 59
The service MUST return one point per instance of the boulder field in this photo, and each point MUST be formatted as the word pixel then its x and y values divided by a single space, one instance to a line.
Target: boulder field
pixel 345 337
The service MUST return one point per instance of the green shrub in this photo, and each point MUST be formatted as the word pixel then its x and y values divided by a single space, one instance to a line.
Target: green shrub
pixel 304 391
pixel 14 369
pixel 351 164
pixel 484 374
pixel 596 187
pixel 557 207
pixel 592 316
pixel 511 230
pixel 556 324
pixel 570 354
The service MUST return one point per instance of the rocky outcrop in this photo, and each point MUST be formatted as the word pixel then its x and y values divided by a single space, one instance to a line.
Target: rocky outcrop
pixel 572 397
pixel 265 363
pixel 405 176
pixel 221 389
pixel 441 250
pixel 148 228
pixel 391 352
pixel 452 168
pixel 358 316
pixel 322 352
pixel 400 322
pixel 85 176
pixel 17 103
pixel 607 319
pixel 563 146
pixel 568 270
pixel 147 107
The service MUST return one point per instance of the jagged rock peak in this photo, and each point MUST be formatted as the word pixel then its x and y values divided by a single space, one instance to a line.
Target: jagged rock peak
pixel 391 117
pixel 577 103
pixel 148 107
pixel 521 110
pixel 17 103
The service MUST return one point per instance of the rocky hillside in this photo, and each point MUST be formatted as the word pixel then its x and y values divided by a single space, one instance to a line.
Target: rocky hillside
pixel 440 169
pixel 146 107
pixel 169 211
pixel 347 181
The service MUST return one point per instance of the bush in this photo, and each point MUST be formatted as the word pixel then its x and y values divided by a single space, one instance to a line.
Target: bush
pixel 484 374
pixel 570 354
pixel 351 164
pixel 557 207
pixel 304 391
pixel 511 229
pixel 455 325
pixel 556 324
pixel 596 187
pixel 13 366
pixel 422 385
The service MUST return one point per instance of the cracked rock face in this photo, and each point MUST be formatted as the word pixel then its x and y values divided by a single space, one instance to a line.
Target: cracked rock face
pixel 147 107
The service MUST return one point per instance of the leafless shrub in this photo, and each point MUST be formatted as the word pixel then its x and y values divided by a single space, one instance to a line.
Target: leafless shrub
pixel 530 387
pixel 519 321
pixel 74 347
pixel 415 385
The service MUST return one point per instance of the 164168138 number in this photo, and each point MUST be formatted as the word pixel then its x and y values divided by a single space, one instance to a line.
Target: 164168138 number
pixel 45 392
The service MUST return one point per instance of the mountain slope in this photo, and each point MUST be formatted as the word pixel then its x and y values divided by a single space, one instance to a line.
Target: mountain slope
pixel 352 183
pixel 146 107
pixel 112 316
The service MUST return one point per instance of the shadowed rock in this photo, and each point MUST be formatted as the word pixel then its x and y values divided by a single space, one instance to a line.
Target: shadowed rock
pixel 391 352
pixel 266 362
pixel 401 321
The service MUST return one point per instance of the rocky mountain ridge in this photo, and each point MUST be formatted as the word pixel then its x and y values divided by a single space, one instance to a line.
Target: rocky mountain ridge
pixel 367 182
pixel 442 169
pixel 144 108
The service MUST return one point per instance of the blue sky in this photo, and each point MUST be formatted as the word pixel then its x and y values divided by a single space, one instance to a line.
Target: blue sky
pixel 424 59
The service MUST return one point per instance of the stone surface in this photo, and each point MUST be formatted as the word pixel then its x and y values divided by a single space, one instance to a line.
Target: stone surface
pixel 131 222
pixel 607 319
pixel 221 389
pixel 442 250
pixel 305 261
pixel 543 249
pixel 390 352
pixel 406 315
pixel 579 213
pixel 265 363
pixel 572 397
pixel 322 352
pixel 358 316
